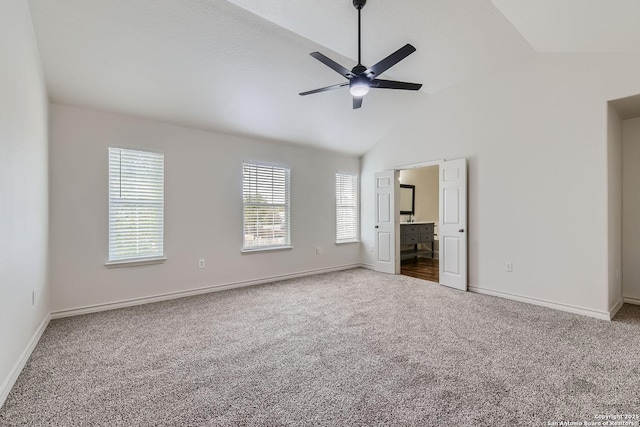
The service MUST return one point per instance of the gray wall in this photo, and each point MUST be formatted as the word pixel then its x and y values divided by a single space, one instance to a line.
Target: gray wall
pixel 535 136
pixel 23 189
pixel 203 209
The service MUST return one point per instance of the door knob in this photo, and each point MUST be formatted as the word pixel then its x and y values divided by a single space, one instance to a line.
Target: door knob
pixel 461 230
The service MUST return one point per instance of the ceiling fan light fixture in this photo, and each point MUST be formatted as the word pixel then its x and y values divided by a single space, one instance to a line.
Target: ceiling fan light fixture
pixel 359 88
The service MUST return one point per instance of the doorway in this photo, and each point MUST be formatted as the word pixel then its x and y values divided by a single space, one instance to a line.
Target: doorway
pixel 623 161
pixel 451 223
pixel 419 207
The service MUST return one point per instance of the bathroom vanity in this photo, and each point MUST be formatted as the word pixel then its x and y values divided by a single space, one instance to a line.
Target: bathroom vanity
pixel 417 238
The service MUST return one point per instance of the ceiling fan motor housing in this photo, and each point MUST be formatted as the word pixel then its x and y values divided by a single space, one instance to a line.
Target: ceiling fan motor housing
pixel 359 4
pixel 359 69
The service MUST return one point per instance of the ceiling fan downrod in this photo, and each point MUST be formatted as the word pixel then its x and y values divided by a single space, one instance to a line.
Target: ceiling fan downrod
pixel 359 4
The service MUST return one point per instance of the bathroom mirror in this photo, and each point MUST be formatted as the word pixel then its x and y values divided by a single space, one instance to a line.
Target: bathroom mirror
pixel 407 199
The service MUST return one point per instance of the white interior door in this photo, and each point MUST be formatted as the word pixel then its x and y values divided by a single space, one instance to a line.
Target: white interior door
pixel 452 230
pixel 386 221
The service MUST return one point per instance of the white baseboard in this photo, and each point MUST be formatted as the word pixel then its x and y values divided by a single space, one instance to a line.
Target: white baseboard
pixel 368 266
pixel 633 301
pixel 613 311
pixel 603 315
pixel 6 386
pixel 192 292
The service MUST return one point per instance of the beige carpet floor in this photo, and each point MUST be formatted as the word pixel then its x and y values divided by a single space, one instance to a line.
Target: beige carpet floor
pixel 353 348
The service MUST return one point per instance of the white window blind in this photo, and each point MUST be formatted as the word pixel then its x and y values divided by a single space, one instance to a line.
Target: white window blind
pixel 266 206
pixel 136 204
pixel 346 207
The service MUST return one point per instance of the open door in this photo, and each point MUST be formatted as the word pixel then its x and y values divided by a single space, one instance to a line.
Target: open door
pixel 386 194
pixel 452 230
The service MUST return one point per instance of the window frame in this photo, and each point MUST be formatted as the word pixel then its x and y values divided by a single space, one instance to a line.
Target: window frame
pixel 288 240
pixel 156 258
pixel 355 239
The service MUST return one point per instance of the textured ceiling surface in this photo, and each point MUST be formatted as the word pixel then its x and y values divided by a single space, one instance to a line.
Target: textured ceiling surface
pixel 237 66
pixel 598 26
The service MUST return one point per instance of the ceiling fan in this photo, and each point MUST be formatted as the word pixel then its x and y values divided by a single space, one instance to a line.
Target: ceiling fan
pixel 361 78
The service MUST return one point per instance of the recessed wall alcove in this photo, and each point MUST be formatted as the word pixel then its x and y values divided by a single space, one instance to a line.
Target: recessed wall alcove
pixel 623 164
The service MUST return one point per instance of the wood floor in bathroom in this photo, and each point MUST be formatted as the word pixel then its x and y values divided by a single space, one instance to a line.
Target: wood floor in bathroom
pixel 421 268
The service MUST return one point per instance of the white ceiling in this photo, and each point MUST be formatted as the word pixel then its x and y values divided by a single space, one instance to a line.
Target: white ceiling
pixel 204 64
pixel 237 66
pixel 604 26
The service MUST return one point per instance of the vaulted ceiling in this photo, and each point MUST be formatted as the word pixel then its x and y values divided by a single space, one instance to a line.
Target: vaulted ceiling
pixel 585 26
pixel 237 66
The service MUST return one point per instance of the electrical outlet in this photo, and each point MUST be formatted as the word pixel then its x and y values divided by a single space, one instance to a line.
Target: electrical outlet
pixel 201 263
pixel 318 250
pixel 508 266
pixel 372 249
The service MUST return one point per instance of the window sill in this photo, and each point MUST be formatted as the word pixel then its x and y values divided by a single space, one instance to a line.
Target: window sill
pixel 273 248
pixel 135 262
pixel 346 242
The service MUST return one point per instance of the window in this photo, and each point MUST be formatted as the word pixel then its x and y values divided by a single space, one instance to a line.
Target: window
pixel 266 206
pixel 136 205
pixel 346 207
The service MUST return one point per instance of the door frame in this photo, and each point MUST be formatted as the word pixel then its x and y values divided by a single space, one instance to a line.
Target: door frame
pixel 438 163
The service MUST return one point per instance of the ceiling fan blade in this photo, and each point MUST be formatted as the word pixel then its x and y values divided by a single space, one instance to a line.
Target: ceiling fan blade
pixel 391 60
pixel 390 84
pixel 357 102
pixel 333 65
pixel 324 89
